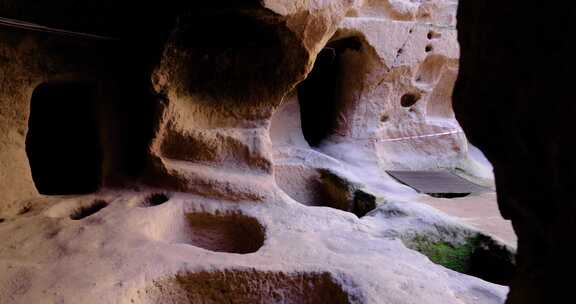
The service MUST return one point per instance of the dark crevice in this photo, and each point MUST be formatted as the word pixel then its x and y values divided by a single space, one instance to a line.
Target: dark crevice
pixel 340 193
pixel 448 195
pixel 319 95
pixel 433 35
pixel 89 210
pixel 63 144
pixel 363 203
pixel 492 262
pixel 409 99
pixel 156 199
pixel 479 256
pixel 25 210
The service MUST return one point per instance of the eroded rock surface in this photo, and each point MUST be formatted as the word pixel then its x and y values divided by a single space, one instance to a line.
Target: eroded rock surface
pixel 261 126
pixel 248 287
pixel 118 253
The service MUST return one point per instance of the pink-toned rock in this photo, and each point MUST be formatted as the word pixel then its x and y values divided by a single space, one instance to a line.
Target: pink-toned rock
pixel 225 173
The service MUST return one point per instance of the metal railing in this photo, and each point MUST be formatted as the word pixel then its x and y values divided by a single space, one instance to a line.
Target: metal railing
pixel 5 22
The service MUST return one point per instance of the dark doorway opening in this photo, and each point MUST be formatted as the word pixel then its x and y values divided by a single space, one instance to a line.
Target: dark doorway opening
pixel 62 143
pixel 319 94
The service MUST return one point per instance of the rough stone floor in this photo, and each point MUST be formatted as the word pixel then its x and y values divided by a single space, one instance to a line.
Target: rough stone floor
pixel 480 211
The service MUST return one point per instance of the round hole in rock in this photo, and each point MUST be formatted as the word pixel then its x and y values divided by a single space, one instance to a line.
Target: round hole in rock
pixel 409 99
pixel 232 232
pixel 429 48
pixel 246 286
pixel 89 210
pixel 2 220
pixel 155 199
pixel 433 35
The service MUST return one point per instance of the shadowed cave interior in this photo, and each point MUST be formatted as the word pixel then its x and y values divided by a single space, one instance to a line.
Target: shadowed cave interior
pixel 319 94
pixel 63 143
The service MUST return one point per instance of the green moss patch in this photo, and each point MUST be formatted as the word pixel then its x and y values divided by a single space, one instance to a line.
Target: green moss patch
pixel 455 257
pixel 478 256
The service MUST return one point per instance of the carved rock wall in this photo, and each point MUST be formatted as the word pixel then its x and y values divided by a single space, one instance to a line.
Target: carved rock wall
pixel 204 133
pixel 378 98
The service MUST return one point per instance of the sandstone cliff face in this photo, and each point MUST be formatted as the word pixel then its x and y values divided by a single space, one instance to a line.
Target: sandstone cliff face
pixel 221 88
pixel 225 134
pixel 378 98
pixel 221 94
pixel 390 100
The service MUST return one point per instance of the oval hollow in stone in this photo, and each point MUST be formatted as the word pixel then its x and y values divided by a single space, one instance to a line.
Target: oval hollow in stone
pixel 232 233
pixel 155 199
pixel 409 99
pixel 89 210
pixel 246 286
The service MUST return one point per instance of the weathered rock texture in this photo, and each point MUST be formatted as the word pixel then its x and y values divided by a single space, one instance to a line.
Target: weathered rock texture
pixel 116 64
pixel 225 132
pixel 346 195
pixel 25 65
pixel 512 100
pixel 118 107
pixel 120 252
pixel 378 98
pixel 221 87
pixel 218 89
